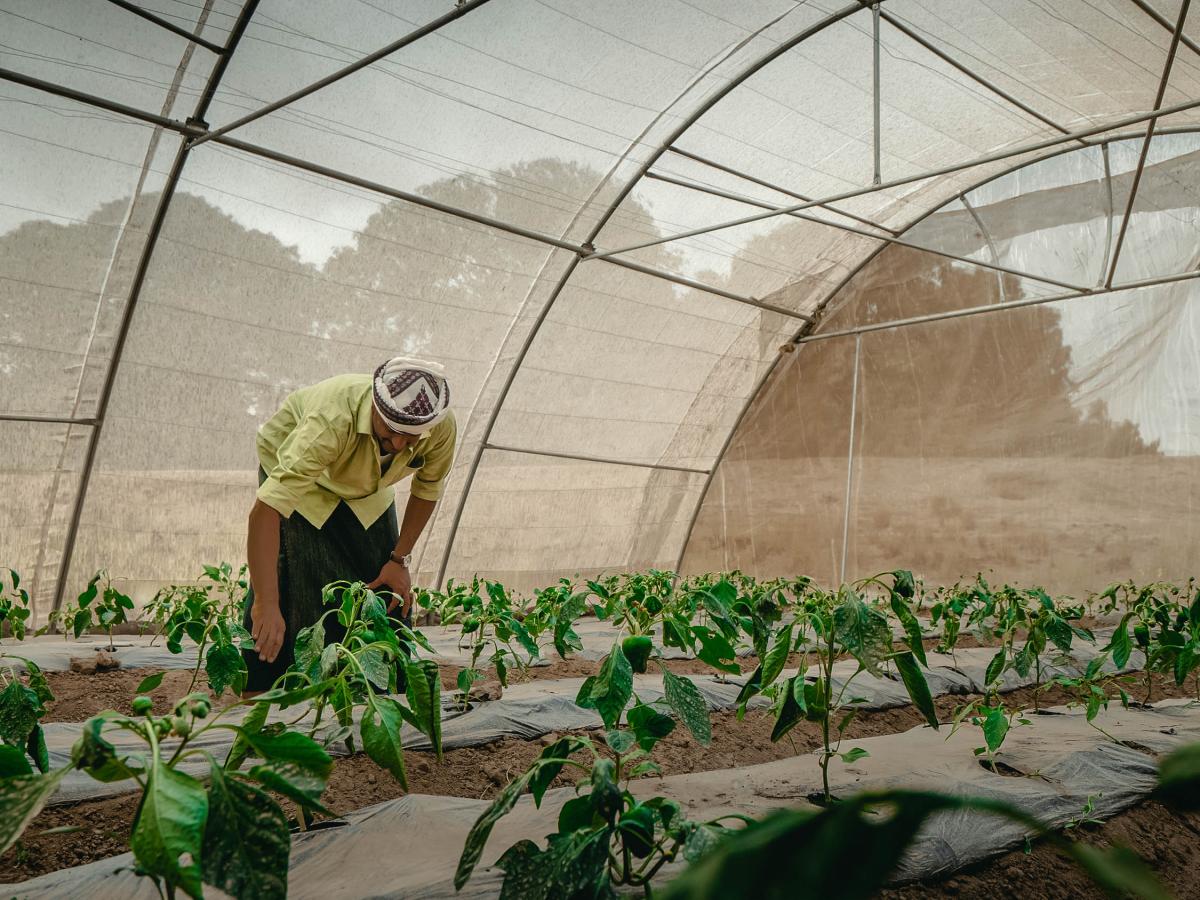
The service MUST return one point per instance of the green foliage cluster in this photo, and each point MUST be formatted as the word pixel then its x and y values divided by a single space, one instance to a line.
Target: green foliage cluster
pixel 14 605
pixel 100 605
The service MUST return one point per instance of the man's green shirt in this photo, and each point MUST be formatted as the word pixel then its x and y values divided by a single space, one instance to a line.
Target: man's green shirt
pixel 320 448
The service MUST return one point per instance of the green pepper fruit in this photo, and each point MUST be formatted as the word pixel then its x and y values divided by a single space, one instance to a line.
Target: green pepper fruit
pixel 199 708
pixel 1141 633
pixel 181 726
pixel 637 649
pixel 142 705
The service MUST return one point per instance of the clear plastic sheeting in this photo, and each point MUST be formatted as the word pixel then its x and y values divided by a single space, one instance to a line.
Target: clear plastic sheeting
pixel 544 130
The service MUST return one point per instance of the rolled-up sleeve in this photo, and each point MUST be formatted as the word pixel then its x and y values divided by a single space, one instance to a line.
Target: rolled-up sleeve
pixel 429 481
pixel 313 445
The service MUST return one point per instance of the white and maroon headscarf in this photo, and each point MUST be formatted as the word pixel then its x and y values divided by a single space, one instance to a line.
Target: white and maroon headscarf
pixel 411 395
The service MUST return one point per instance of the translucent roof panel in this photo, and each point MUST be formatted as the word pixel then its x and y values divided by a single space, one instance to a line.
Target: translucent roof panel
pixel 102 49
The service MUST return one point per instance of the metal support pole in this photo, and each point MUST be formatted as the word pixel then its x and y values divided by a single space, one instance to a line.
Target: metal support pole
pixel 875 92
pixel 415 35
pixel 135 289
pixel 596 459
pixel 750 201
pixel 168 26
pixel 1137 175
pixel 850 457
pixel 919 176
pixel 753 179
pixel 46 419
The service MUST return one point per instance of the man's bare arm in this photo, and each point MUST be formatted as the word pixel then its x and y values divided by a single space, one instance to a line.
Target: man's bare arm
pixel 262 552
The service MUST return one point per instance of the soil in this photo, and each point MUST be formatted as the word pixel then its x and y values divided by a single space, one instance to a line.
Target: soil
pixel 1166 840
pixel 100 828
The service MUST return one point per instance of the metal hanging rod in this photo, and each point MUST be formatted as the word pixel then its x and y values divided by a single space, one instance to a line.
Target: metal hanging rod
pixel 595 459
pixel 48 419
pixel 737 173
pixel 920 176
pixel 168 26
pixel 1141 164
pixel 458 12
pixel 878 237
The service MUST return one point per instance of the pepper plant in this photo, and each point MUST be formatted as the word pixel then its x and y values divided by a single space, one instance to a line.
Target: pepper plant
pixel 555 612
pixel 1092 689
pixel 490 625
pixel 14 604
pixel 831 624
pixel 231 833
pixel 211 615
pixel 1155 622
pixel 606 838
pixel 358 670
pixel 100 605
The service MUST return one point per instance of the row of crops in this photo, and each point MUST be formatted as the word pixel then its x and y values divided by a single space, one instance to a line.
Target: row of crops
pixel 792 647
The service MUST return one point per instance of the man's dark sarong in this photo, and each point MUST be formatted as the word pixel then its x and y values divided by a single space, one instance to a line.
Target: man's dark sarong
pixel 309 559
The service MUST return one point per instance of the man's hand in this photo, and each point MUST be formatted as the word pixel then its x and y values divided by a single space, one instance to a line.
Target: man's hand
pixel 268 629
pixel 397 579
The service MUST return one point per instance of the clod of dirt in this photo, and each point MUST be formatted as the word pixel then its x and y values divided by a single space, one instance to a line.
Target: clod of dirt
pixel 100 661
pixel 485 690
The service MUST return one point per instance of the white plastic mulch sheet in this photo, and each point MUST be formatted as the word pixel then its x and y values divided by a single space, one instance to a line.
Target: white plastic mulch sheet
pixel 409 847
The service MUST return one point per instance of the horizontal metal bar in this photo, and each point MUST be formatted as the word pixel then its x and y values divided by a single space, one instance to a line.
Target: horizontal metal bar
pixel 995 307
pixel 169 26
pixel 50 419
pixel 700 286
pixel 878 237
pixel 92 100
pixel 459 10
pixel 596 459
pixel 920 176
pixel 729 170
pixel 970 73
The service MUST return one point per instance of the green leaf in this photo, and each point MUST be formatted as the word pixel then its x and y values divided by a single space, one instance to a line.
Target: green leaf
pixel 169 829
pixel 482 829
pixel 864 632
pixel 424 689
pixel 573 865
pixel 292 748
pixel 688 703
pixel 649 725
pixel 149 683
pixel 995 668
pixel 310 643
pixel 790 713
pixel 246 840
pixel 36 747
pixel 716 650
pixel 611 688
pixel 13 762
pixel 225 668
pixel 776 658
pixel 917 687
pixel 20 709
pixel 995 727
pixel 853 754
pixel 1120 645
pixel 376 666
pixel 912 628
pixel 904 585
pixel 1179 778
pixel 549 763
pixel 1059 632
pixel 381 739
pixel 293 782
pixel 636 828
pixel 253 723
pixel 21 799
pixel 620 741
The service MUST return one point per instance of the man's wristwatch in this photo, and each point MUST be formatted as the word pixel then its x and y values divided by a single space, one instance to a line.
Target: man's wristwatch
pixel 404 560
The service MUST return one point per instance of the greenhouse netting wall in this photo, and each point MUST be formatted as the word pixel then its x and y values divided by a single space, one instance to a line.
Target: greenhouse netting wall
pixel 641 345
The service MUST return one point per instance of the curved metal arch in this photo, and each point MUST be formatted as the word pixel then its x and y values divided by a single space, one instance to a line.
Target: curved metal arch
pixel 751 69
pixel 135 290
pixel 809 328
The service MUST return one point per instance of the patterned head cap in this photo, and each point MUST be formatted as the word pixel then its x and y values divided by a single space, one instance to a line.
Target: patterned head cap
pixel 411 395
